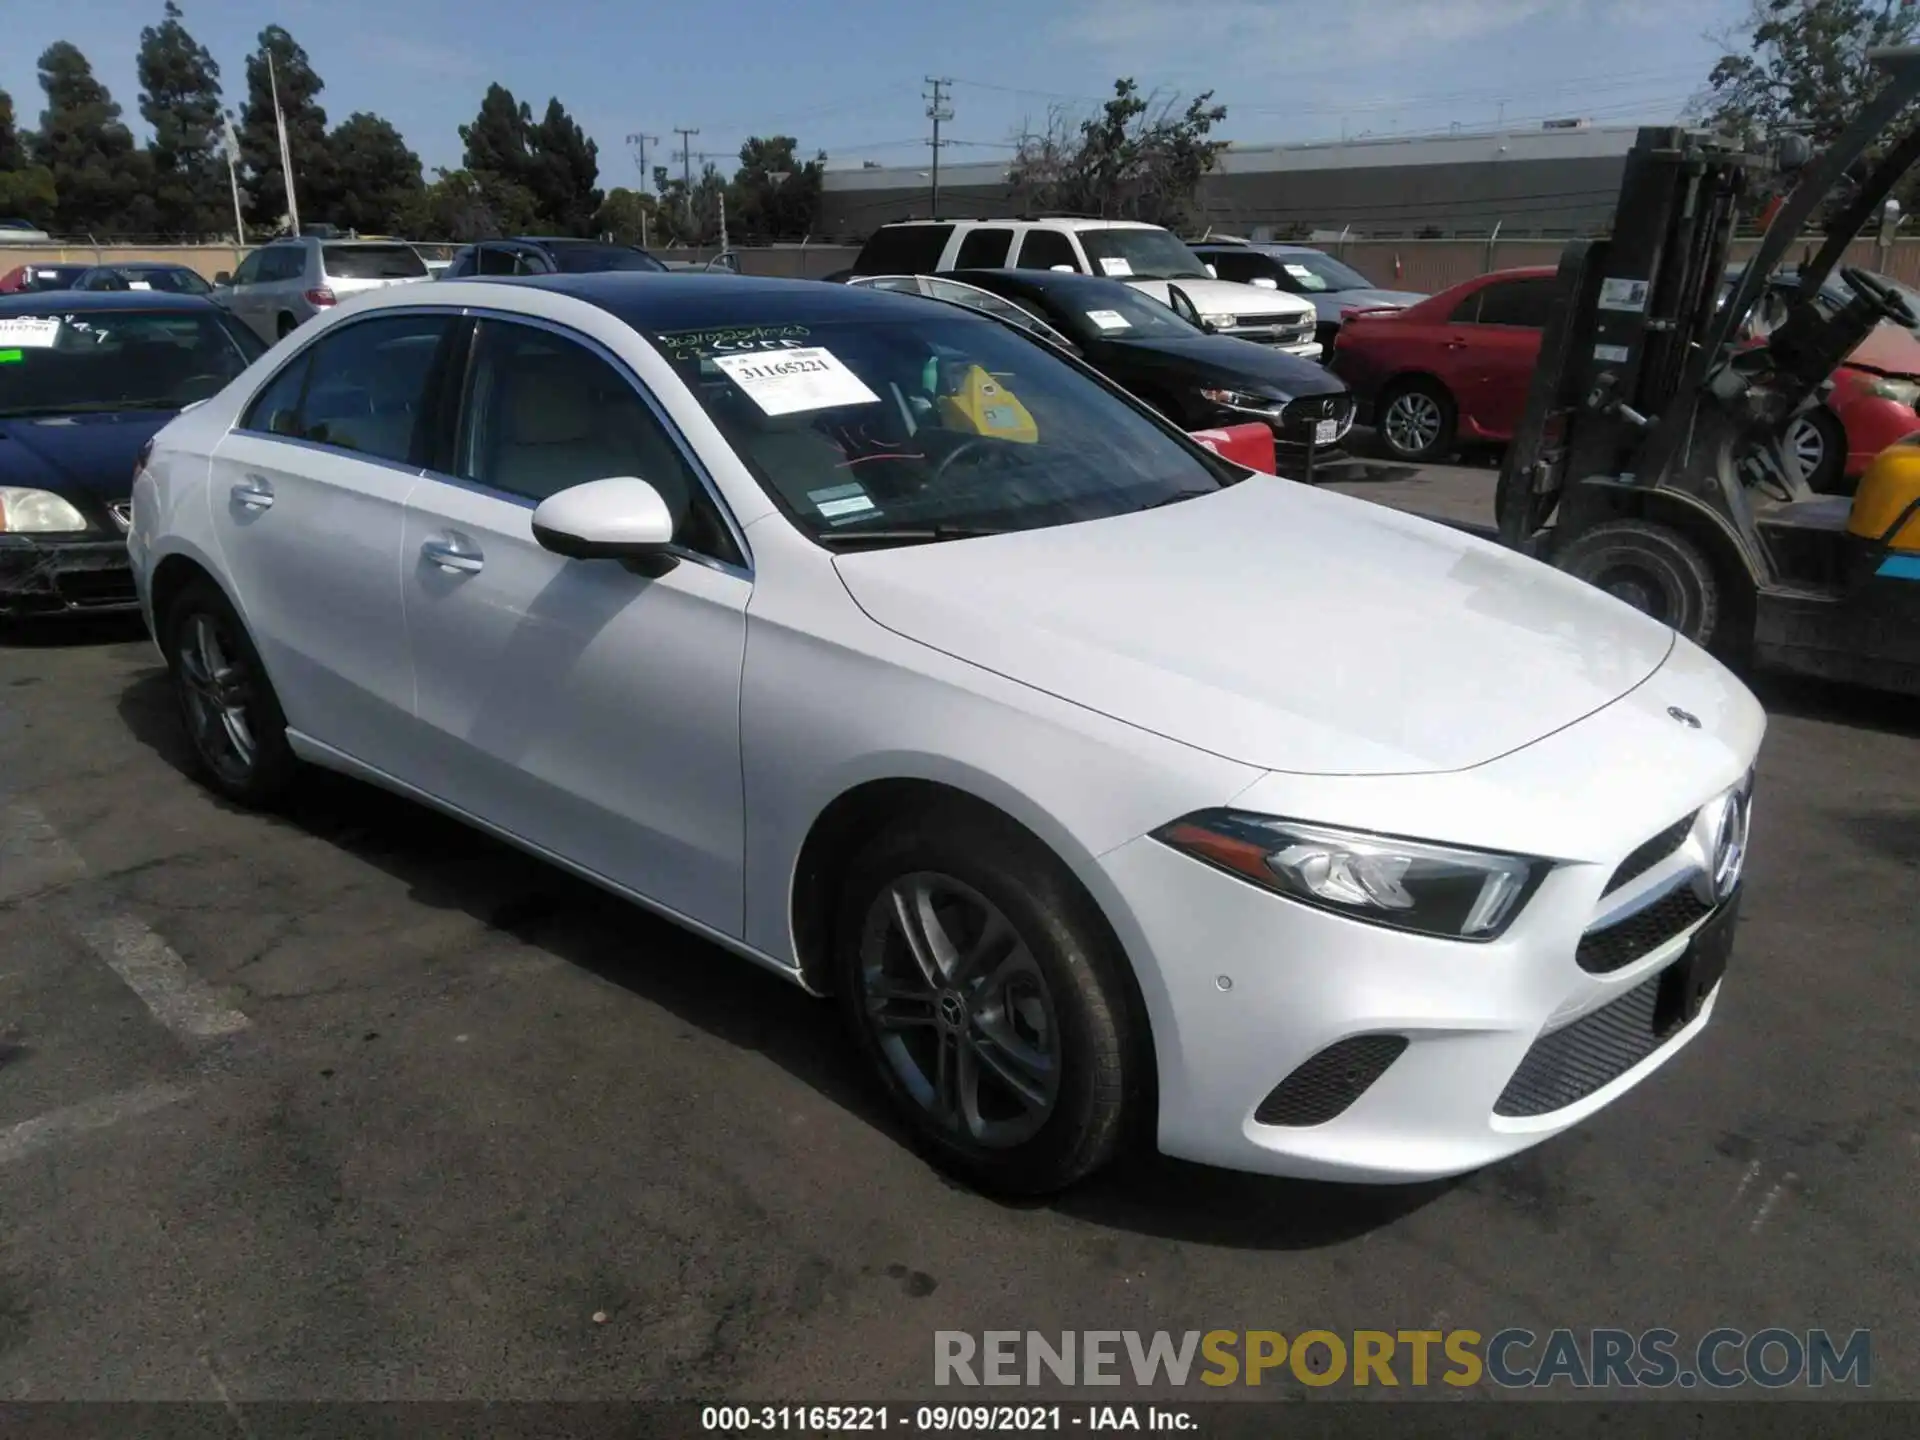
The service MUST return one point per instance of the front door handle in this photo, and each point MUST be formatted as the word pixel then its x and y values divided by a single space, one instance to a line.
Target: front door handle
pixel 450 554
pixel 254 492
pixel 1456 344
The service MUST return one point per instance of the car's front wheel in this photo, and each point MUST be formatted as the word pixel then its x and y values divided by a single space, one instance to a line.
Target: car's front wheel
pixel 232 716
pixel 990 1001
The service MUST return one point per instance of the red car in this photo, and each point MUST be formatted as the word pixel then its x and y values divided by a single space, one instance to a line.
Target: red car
pixel 1456 368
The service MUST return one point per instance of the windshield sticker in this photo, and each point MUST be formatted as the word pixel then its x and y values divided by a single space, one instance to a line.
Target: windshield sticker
pixel 139 285
pixel 1118 266
pixel 1628 295
pixel 795 380
pixel 30 332
pixel 1109 319
pixel 734 340
pixel 12 357
pixel 839 501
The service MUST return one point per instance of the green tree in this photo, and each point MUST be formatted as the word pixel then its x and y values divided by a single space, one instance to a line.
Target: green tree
pixel 565 172
pixel 450 208
pixel 1802 64
pixel 681 223
pixel 98 176
pixel 316 186
pixel 1138 159
pixel 774 196
pixel 627 215
pixel 378 177
pixel 500 162
pixel 180 99
pixel 26 189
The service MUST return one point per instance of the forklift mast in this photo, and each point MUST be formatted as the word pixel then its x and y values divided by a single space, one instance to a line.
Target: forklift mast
pixel 1645 398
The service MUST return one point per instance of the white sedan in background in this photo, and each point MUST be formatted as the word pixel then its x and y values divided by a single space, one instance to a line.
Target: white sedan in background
pixel 1107 785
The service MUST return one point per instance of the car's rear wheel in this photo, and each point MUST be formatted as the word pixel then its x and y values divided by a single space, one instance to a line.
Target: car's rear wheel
pixel 1417 420
pixel 989 1000
pixel 1819 441
pixel 233 718
pixel 286 326
pixel 1654 568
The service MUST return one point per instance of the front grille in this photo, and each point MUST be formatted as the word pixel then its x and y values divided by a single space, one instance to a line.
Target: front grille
pixel 1601 952
pixel 1274 331
pixel 1299 417
pixel 1322 1087
pixel 122 511
pixel 1572 1062
pixel 1650 854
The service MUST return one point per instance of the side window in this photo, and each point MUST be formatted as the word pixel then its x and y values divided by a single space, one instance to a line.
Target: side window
pixel 367 387
pixel 276 409
pixel 1044 249
pixel 984 248
pixel 283 262
pixel 249 271
pixel 494 260
pixel 903 250
pixel 545 413
pixel 530 262
pixel 1241 266
pixel 1522 303
pixel 1467 312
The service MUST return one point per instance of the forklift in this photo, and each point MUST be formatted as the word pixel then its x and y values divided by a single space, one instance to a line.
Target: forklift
pixel 1651 461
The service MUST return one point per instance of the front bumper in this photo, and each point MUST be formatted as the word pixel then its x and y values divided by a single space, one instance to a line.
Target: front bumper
pixel 42 575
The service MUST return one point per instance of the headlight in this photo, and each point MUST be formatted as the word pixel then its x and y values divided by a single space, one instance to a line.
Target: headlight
pixel 1221 322
pixel 1264 405
pixel 1901 392
pixel 1407 884
pixel 36 512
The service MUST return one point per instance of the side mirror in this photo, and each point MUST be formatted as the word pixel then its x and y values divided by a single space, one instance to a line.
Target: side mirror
pixel 622 518
pixel 1265 282
pixel 225 277
pixel 1213 273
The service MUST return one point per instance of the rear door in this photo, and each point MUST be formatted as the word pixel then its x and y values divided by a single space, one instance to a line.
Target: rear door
pixel 309 498
pixel 984 247
pixel 243 293
pixel 1503 346
pixel 1048 250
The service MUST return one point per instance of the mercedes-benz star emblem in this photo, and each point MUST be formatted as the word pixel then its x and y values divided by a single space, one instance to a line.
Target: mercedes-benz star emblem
pixel 1686 718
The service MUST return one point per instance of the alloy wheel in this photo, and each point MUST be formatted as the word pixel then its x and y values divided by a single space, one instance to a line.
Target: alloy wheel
pixel 216 690
pixel 1808 445
pixel 960 1009
pixel 1412 422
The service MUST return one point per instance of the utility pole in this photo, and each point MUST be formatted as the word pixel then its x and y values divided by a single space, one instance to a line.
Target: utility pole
pixel 686 175
pixel 646 180
pixel 937 110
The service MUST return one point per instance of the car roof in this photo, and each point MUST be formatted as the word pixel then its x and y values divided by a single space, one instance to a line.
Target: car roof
pixel 39 301
pixel 682 300
pixel 1031 222
pixel 143 265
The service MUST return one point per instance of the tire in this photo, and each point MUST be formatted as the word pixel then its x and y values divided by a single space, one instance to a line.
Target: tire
pixel 233 719
pixel 1654 568
pixel 1416 420
pixel 286 326
pixel 1046 1002
pixel 1820 440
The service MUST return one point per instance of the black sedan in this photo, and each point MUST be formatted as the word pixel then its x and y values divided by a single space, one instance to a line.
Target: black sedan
pixel 144 275
pixel 86 379
pixel 1194 378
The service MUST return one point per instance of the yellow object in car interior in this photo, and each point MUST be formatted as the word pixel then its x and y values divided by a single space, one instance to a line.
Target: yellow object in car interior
pixel 1891 484
pixel 983 405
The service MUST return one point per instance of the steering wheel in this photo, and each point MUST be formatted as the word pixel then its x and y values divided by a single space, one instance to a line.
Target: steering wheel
pixel 1882 296
pixel 971 445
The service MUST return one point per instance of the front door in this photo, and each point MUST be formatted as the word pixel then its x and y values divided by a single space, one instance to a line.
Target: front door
pixel 582 706
pixel 309 501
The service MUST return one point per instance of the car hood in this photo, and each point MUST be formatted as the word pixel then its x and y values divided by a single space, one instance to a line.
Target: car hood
pixel 1226 362
pixel 1888 350
pixel 1225 297
pixel 91 453
pixel 1335 303
pixel 1279 626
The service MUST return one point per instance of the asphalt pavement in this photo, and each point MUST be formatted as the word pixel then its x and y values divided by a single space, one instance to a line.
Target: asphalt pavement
pixel 355 1103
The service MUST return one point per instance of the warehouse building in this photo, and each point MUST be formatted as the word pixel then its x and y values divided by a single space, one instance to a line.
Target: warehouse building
pixel 1558 179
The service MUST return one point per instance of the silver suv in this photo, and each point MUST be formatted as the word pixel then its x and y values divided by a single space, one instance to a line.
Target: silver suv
pixel 288 281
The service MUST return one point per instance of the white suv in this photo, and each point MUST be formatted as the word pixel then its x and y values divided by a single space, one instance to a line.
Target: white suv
pixel 1145 256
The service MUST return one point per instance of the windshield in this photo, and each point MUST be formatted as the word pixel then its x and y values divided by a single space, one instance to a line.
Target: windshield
pixel 50 277
pixel 71 362
pixel 1141 255
pixel 1116 312
pixel 943 423
pixel 169 280
pixel 1315 274
pixel 372 262
pixel 582 259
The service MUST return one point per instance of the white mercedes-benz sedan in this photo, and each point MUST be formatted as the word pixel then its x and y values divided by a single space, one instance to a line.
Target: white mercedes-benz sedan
pixel 1108 787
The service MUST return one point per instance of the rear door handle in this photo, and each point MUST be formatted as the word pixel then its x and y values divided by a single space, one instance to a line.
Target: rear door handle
pixel 450 554
pixel 1456 344
pixel 254 492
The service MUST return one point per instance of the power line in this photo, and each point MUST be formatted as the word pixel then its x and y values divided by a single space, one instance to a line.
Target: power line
pixel 646 180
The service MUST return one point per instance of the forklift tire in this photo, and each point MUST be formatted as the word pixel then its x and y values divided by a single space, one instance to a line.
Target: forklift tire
pixel 1654 568
pixel 1416 419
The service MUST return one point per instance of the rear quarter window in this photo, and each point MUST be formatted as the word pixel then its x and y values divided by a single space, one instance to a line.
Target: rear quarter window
pixel 903 250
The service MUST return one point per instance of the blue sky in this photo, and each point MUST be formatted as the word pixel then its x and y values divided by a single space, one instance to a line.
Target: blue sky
pixel 847 76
